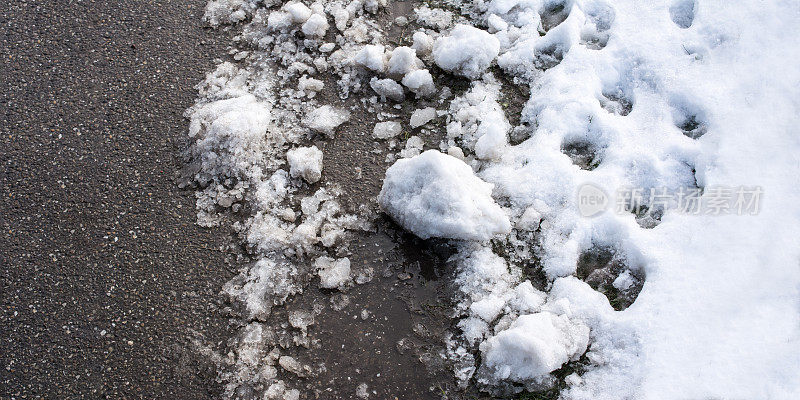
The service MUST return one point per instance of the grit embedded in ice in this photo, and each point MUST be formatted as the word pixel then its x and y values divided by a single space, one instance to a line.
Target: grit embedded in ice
pixel 436 195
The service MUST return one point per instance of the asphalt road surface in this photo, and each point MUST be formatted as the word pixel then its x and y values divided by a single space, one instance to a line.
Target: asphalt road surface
pixel 103 273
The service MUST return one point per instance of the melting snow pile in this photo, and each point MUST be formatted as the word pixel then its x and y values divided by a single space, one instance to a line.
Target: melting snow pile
pixel 656 107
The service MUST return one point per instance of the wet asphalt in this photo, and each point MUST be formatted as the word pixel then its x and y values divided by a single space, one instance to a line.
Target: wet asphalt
pixel 103 273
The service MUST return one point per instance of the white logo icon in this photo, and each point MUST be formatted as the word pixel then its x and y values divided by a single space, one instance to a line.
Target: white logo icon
pixel 591 200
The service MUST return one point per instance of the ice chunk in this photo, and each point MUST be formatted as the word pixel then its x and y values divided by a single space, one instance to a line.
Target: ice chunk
pixel 305 162
pixel 413 147
pixel 420 82
pixel 624 281
pixel 362 391
pixel 333 273
pixel 310 85
pixel 325 119
pixel 387 89
pixel 371 57
pixel 402 61
pixel 436 18
pixel 436 195
pixel 386 130
pixel 279 20
pixel 468 51
pixel 299 12
pixel 289 364
pixel 422 116
pixel 488 308
pixel 316 26
pixel 456 152
pixel 534 345
pixel 327 47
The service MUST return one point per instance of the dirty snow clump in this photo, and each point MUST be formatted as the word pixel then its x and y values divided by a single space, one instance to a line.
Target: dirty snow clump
pixel 386 130
pixel 305 162
pixel 325 119
pixel 422 116
pixel 436 195
pixel 333 274
pixel 387 89
pixel 468 51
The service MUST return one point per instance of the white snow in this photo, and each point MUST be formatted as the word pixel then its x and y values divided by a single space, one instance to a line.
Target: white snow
pixel 420 82
pixel 436 195
pixel 316 26
pixel 622 81
pixel 467 51
pixel 300 12
pixel 534 345
pixel 402 61
pixel 677 95
pixel 305 162
pixel 371 57
pixel 423 43
pixel 325 119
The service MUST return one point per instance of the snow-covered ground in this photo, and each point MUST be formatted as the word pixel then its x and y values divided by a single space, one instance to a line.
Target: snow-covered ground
pixel 630 233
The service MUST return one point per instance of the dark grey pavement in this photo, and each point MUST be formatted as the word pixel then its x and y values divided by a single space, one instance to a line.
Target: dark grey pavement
pixel 103 272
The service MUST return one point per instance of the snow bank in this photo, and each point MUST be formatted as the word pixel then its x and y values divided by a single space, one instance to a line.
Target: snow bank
pixel 467 51
pixel 436 195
